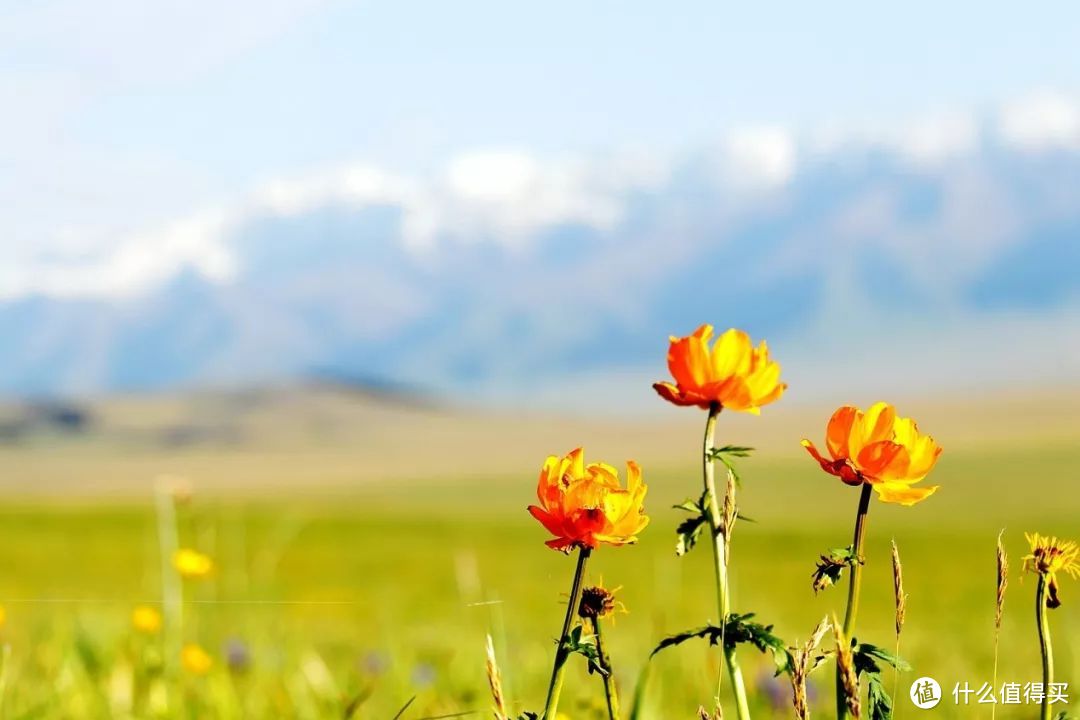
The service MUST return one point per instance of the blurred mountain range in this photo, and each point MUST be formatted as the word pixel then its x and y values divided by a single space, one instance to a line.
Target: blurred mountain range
pixel 506 275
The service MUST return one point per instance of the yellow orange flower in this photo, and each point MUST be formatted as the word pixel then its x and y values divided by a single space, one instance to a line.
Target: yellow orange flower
pixel 585 505
pixel 195 660
pixel 1048 557
pixel 146 619
pixel 879 448
pixel 192 564
pixel 732 374
pixel 3 616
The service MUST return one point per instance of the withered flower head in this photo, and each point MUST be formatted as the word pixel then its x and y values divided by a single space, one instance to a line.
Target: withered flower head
pixel 598 602
pixel 1048 557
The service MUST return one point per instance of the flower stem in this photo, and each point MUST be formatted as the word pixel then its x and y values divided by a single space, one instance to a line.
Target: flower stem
pixel 561 655
pixel 611 693
pixel 854 586
pixel 719 545
pixel 172 591
pixel 1044 644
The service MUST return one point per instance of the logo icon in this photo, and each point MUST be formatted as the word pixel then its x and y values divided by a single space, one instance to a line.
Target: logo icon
pixel 925 693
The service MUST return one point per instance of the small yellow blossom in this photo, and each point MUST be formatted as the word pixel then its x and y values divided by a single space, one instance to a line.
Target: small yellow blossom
pixel 192 564
pixel 146 620
pixel 195 660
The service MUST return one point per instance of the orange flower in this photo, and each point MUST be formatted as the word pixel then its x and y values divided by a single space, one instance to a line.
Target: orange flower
pixel 879 448
pixel 585 505
pixel 733 374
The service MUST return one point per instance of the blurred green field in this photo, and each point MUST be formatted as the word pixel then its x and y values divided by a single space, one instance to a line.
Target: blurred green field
pixel 385 589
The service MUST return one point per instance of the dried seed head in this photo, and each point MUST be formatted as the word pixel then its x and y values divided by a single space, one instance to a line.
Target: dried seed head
pixel 1002 581
pixel 801 666
pixel 898 589
pixel 846 663
pixel 495 682
pixel 731 512
pixel 703 714
pixel 819 634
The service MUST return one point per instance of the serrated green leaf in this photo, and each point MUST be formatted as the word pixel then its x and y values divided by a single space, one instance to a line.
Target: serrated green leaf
pixel 739 629
pixel 733 450
pixel 688 532
pixel 881 707
pixel 830 567
pixel 689 529
pixel 731 467
pixel 710 632
pixel 868 660
pixel 577 643
pixel 871 655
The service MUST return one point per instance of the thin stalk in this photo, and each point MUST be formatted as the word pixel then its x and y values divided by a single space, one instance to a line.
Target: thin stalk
pixel 854 588
pixel 558 670
pixel 999 607
pixel 896 682
pixel 611 693
pixel 172 591
pixel 719 545
pixel 1047 649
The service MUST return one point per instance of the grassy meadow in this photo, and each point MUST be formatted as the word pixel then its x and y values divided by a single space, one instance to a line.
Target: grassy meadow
pixel 365 547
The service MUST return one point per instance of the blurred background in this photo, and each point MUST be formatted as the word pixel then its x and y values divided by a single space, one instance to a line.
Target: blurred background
pixel 352 270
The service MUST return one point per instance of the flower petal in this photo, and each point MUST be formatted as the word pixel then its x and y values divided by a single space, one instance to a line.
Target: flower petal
pixel 903 494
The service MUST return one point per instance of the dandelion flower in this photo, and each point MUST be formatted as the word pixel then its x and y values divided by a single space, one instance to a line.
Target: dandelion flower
pixel 732 374
pixel 1048 557
pixel 146 619
pixel 879 448
pixel 3 616
pixel 585 505
pixel 195 660
pixel 192 564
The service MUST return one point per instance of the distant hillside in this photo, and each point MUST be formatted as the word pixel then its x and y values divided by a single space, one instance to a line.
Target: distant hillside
pixel 323 439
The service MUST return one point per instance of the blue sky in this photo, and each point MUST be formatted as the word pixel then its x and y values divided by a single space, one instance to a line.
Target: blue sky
pixel 346 175
pixel 121 117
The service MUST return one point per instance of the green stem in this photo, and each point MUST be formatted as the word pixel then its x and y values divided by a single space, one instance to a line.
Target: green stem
pixel 611 693
pixel 172 590
pixel 854 586
pixel 1044 644
pixel 561 655
pixel 719 545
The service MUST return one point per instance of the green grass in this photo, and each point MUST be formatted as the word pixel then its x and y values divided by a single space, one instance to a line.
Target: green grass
pixel 387 590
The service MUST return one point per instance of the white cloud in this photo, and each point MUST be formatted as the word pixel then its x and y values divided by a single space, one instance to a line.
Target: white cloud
pixel 758 157
pixel 138 264
pixel 484 196
pixel 939 138
pixel 927 140
pixel 1042 121
pixel 349 185
pixel 506 196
